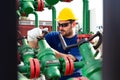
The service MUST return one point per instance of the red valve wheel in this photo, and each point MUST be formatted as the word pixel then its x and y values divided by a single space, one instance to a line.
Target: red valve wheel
pixel 42 5
pixel 67 66
pixel 39 5
pixel 67 0
pixel 84 36
pixel 32 69
pixel 71 65
pixel 37 68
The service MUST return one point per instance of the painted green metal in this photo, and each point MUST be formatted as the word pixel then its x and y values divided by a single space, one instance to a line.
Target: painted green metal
pixel 92 68
pixel 18 13
pixel 53 2
pixel 54 28
pixel 26 51
pixel 36 19
pixel 25 70
pixel 50 66
pixel 27 6
pixel 47 57
pixel 78 65
pixel 86 21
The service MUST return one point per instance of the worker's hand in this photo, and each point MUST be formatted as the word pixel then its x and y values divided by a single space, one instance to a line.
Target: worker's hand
pixel 33 34
pixel 71 56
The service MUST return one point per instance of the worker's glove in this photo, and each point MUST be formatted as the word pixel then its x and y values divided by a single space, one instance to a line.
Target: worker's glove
pixel 33 34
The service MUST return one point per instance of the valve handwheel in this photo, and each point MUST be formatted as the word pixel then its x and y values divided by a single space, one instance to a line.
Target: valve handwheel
pixel 40 5
pixel 67 0
pixel 67 66
pixel 37 68
pixel 32 69
pixel 71 70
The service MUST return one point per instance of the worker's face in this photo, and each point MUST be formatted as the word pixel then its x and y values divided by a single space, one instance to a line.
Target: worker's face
pixel 65 27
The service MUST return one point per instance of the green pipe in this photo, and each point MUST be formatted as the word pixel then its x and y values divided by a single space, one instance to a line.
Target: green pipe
pixel 53 63
pixel 87 52
pixel 48 61
pixel 43 44
pixel 25 70
pixel 53 2
pixel 54 28
pixel 24 42
pixel 86 21
pixel 36 19
pixel 18 13
pixel 27 6
pixel 26 51
pixel 78 65
pixel 92 67
pixel 54 19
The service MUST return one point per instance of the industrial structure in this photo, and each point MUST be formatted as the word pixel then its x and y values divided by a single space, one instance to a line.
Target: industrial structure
pixel 35 64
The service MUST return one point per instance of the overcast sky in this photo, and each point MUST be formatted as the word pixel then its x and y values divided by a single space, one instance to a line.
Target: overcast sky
pixel 76 5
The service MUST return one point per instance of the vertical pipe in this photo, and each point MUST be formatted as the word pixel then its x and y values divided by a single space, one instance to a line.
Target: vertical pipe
pixel 54 19
pixel 43 44
pixel 36 19
pixel 78 65
pixel 24 42
pixel 85 17
pixel 87 52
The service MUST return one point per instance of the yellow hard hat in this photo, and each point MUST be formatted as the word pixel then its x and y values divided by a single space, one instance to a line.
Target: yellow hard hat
pixel 66 14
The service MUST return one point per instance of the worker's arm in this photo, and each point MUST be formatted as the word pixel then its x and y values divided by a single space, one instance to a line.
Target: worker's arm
pixel 60 55
pixel 33 44
pixel 33 34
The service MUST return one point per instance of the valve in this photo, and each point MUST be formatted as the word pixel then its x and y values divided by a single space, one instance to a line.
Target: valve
pixel 81 36
pixel 26 52
pixel 53 2
pixel 92 66
pixel 65 47
pixel 40 5
pixel 34 68
pixel 27 7
pixel 46 63
pixel 49 63
pixel 30 70
pixel 67 66
pixel 65 0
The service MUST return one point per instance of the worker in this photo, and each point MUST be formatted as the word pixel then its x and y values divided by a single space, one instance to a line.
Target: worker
pixel 66 26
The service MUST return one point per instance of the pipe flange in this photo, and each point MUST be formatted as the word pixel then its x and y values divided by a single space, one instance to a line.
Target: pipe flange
pixel 67 66
pixel 37 68
pixel 71 65
pixel 40 5
pixel 32 69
